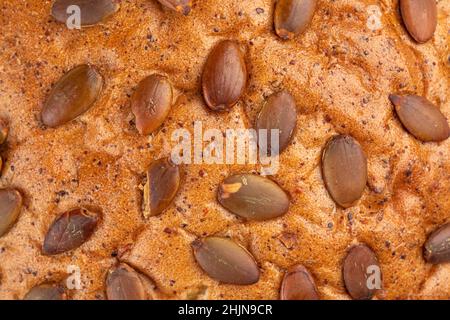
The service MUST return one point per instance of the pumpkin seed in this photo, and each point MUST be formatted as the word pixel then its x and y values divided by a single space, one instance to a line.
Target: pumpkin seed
pixel 421 118
pixel 151 103
pixel 437 247
pixel 344 168
pixel 298 284
pixel 225 261
pixel 72 95
pixel 3 131
pixel 420 18
pixel 279 113
pixel 182 6
pixel 224 76
pixel 253 197
pixel 91 11
pixel 292 17
pixel 359 264
pixel 163 181
pixel 70 230
pixel 10 206
pixel 46 292
pixel 124 283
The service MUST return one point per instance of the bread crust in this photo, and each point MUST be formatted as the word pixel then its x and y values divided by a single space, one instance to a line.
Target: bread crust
pixel 339 72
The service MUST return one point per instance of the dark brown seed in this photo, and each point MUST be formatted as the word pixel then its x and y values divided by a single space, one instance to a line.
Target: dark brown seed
pixel 72 95
pixel 437 247
pixel 253 197
pixel 226 261
pixel 344 169
pixel 46 292
pixel 298 284
pixel 224 76
pixel 124 283
pixel 10 206
pixel 70 230
pixel 360 264
pixel 421 118
pixel 91 11
pixel 420 18
pixel 3 131
pixel 163 181
pixel 292 17
pixel 279 113
pixel 151 103
pixel 182 6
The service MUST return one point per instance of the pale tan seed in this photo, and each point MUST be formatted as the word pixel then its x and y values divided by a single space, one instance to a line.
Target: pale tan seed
pixel 151 103
pixel 181 6
pixel 72 95
pixel 224 76
pixel 421 118
pixel 420 18
pixel 253 197
pixel 298 284
pixel 226 261
pixel 10 207
pixel 91 11
pixel 292 17
pixel 344 169
pixel 163 182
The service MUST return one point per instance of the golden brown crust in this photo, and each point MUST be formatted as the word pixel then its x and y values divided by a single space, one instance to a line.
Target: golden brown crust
pixel 340 74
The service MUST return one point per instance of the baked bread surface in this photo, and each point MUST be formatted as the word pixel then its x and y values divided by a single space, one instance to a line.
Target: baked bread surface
pixel 340 73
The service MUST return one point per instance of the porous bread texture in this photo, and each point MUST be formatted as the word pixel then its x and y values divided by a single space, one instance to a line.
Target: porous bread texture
pixel 340 74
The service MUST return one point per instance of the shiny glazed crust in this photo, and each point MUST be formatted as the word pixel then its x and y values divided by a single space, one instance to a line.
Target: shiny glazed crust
pixel 340 74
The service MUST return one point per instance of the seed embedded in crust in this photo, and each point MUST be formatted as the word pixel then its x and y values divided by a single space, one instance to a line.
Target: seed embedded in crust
pixel 359 264
pixel 46 292
pixel 298 284
pixel 10 206
pixel 3 131
pixel 151 103
pixel 344 169
pixel 91 11
pixel 421 118
pixel 253 197
pixel 181 6
pixel 437 246
pixel 72 95
pixel 3 135
pixel 420 18
pixel 70 230
pixel 224 76
pixel 163 182
pixel 279 113
pixel 226 261
pixel 292 17
pixel 125 283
